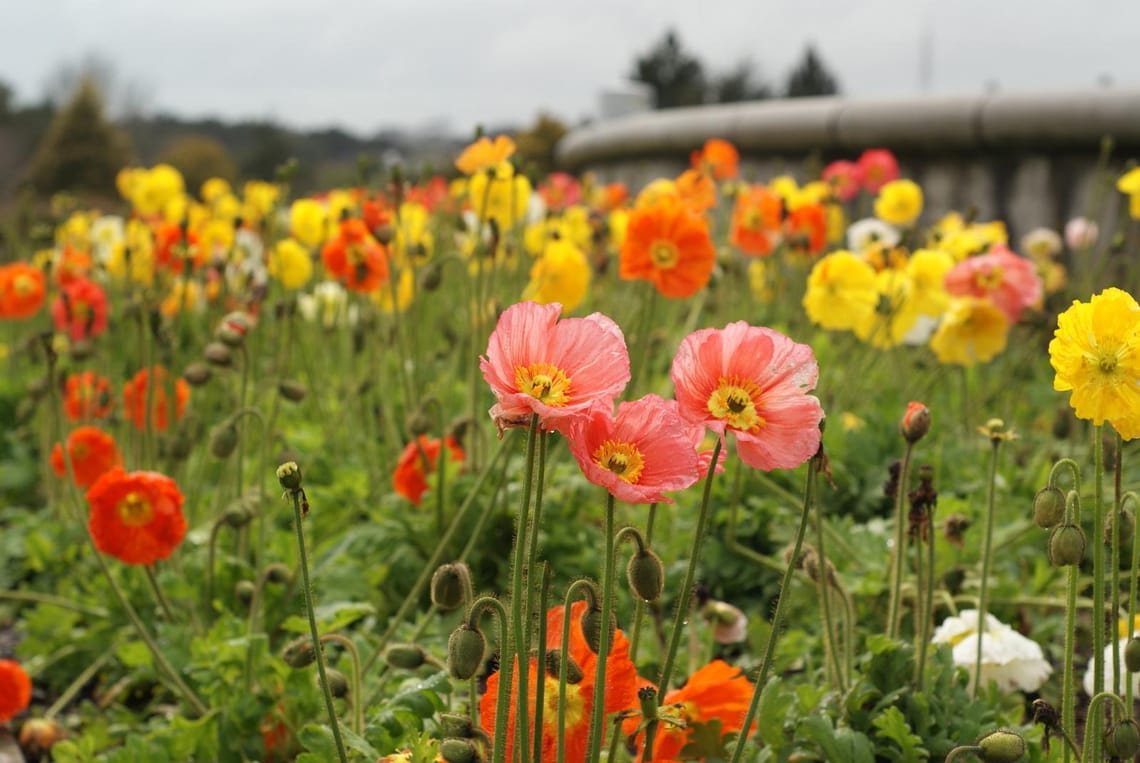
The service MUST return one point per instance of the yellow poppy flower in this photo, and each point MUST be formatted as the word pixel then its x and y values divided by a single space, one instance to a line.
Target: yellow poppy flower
pixel 561 274
pixel 894 313
pixel 973 330
pixel 484 154
pixel 841 291
pixel 290 263
pixel 899 202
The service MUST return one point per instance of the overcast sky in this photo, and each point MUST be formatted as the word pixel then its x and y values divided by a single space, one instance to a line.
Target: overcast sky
pixel 367 64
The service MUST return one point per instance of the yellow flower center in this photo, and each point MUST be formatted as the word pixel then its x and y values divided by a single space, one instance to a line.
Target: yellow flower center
pixel 751 219
pixel 24 285
pixel 575 706
pixel 1107 361
pixel 988 279
pixel 544 382
pixel 664 254
pixel 622 458
pixel 734 400
pixel 135 510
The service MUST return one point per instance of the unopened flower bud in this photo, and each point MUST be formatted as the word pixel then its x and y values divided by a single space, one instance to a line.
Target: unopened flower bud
pixel 458 750
pixel 405 656
pixel 450 586
pixel 223 440
pixel 915 422
pixel 289 475
pixel 730 624
pixel 432 276
pixel 278 573
pixel 1049 507
pixel 419 423
pixel 1066 545
pixel 1124 519
pixel 1002 746
pixel 233 328
pixel 293 391
pixel 338 683
pixel 218 354
pixel 554 667
pixel 38 735
pixel 811 565
pixel 1132 655
pixel 299 653
pixel 592 628
pixel 456 725
pixel 197 374
pixel 384 233
pixel 646 575
pixel 237 514
pixel 244 591
pixel 465 648
pixel 1123 739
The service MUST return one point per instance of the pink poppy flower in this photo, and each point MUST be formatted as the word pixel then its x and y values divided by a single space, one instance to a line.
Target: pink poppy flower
pixel 536 363
pixel 1009 280
pixel 878 166
pixel 845 178
pixel 752 381
pixel 80 309
pixel 560 191
pixel 639 453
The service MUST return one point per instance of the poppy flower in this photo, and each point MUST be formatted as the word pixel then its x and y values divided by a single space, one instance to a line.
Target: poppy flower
pixel 561 274
pixel 840 291
pixel 756 220
pixel 718 691
pixel 80 309
pixel 484 154
pixel 972 331
pixel 15 690
pixel 135 394
pixel 899 202
pixel 845 179
pixel 87 395
pixel 669 246
pixel 877 167
pixel 805 229
pixel 410 477
pixel 621 689
pixel 136 517
pixel 717 157
pixel 177 248
pixel 22 290
pixel 536 363
pixel 560 191
pixel 696 190
pixel 92 452
pixel 752 381
pixel 71 264
pixel 1008 279
pixel 638 454
pixel 354 257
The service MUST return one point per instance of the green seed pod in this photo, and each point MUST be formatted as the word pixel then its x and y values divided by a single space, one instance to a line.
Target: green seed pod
pixel 405 656
pixel 244 590
pixel 450 586
pixel 293 391
pixel 218 354
pixel 237 514
pixel 278 573
pixel 432 276
pixel 299 653
pixel 1066 545
pixel 1049 507
pixel 592 628
pixel 1002 746
pixel 1127 524
pixel 1132 655
pixel 223 440
pixel 465 648
pixel 554 667
pixel 289 475
pixel 1123 739
pixel 338 683
pixel 455 725
pixel 646 575
pixel 197 374
pixel 459 751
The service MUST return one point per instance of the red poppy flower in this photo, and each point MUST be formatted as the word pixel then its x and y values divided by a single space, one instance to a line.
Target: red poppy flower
pixel 22 290
pixel 354 257
pixel 15 690
pixel 71 265
pixel 80 309
pixel 136 517
pixel 669 246
pixel 560 191
pixel 87 396
pixel 1009 280
pixel 845 178
pixel 877 167
pixel 176 247
pixel 621 689
pixel 134 399
pixel 756 220
pixel 805 229
pixel 410 477
pixel 93 452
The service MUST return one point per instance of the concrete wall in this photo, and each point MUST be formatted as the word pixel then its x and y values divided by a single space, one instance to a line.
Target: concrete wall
pixel 1028 158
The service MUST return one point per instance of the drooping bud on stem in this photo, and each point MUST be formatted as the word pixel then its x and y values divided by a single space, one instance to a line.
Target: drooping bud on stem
pixel 459 751
pixel 554 667
pixel 465 649
pixel 1048 507
pixel 405 656
pixel 592 627
pixel 451 586
pixel 299 653
pixel 1066 545
pixel 915 422
pixel 1002 746
pixel 1122 740
pixel 338 683
pixel 293 391
pixel 646 575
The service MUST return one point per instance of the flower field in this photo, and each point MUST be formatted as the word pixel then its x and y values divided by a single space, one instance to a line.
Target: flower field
pixel 510 468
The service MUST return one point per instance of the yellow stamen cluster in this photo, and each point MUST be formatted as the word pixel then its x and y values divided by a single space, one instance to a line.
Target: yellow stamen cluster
pixel 735 400
pixel 544 382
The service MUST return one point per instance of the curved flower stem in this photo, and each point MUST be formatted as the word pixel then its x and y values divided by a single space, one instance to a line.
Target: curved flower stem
pixel 597 718
pixel 563 655
pixel 81 681
pixel 987 555
pixel 159 597
pixel 540 679
pixel 54 601
pixel 307 587
pixel 1068 689
pixel 1133 579
pixel 1094 726
pixel 357 699
pixel 1091 749
pixel 836 666
pixel 898 553
pixel 781 602
pixel 639 606
pixel 961 751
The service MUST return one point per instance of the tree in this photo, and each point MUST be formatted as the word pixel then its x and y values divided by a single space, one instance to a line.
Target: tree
pixel 677 78
pixel 536 145
pixel 82 151
pixel 199 158
pixel 739 84
pixel 811 77
pixel 5 101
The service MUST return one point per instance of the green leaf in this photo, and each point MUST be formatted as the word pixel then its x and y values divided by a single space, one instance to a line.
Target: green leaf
pixel 842 744
pixel 892 726
pixel 775 701
pixel 330 617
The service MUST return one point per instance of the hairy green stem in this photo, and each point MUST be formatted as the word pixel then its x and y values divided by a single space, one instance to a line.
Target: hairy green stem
pixel 898 553
pixel 987 559
pixel 597 719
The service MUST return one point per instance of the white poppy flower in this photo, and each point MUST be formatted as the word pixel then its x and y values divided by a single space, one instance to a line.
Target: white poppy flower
pixel 870 230
pixel 1010 659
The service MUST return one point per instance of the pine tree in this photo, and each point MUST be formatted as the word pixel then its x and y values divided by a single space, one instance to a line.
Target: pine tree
pixel 811 77
pixel 82 151
pixel 677 78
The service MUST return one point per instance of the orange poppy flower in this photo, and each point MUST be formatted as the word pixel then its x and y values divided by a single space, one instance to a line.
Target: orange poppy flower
pixel 175 246
pixel 15 690
pixel 93 452
pixel 756 220
pixel 483 154
pixel 134 399
pixel 136 517
pixel 23 290
pixel 621 689
pixel 668 245
pixel 354 257
pixel 805 229
pixel 72 264
pixel 611 196
pixel 696 190
pixel 410 477
pixel 718 157
pixel 718 691
pixel 80 309
pixel 87 396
